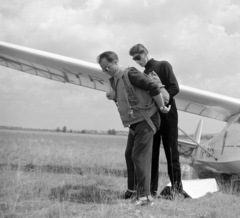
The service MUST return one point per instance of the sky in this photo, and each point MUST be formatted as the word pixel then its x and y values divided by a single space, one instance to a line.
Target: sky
pixel 201 40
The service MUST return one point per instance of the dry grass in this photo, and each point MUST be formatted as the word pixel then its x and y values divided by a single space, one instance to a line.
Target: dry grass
pixel 47 175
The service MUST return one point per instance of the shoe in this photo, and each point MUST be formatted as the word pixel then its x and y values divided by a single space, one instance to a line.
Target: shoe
pixel 166 197
pixel 171 194
pixel 134 199
pixel 143 201
pixel 166 193
pixel 129 194
pixel 154 194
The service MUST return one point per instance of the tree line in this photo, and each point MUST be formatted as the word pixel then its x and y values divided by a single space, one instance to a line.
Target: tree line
pixel 64 129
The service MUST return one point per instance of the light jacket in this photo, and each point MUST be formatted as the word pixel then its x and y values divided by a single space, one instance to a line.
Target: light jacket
pixel 129 111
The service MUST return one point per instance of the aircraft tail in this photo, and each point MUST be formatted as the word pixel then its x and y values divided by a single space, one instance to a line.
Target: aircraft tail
pixel 198 132
pixel 188 171
pixel 188 148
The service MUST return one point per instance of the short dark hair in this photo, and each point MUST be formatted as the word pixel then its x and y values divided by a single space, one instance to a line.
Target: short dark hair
pixel 137 49
pixel 109 55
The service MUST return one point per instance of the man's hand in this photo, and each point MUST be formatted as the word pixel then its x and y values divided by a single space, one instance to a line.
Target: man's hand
pixel 110 95
pixel 165 109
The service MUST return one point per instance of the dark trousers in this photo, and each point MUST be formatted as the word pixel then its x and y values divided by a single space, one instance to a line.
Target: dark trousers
pixel 138 156
pixel 168 133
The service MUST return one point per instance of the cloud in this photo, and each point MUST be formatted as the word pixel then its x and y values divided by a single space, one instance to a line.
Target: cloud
pixel 201 39
pixel 37 102
pixel 225 85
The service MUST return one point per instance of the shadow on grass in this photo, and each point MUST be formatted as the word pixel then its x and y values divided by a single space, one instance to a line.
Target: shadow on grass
pixel 84 194
pixel 65 169
pixel 205 172
pixel 227 183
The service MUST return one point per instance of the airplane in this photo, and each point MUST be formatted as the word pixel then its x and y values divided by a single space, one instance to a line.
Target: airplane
pixel 222 152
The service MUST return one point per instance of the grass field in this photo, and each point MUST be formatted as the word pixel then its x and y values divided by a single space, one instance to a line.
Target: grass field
pixel 79 175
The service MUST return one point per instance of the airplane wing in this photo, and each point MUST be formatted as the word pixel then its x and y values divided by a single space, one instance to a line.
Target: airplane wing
pixel 54 67
pixel 69 70
pixel 207 104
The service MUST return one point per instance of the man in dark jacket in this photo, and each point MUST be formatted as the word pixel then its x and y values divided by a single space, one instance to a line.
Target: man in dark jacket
pixel 168 132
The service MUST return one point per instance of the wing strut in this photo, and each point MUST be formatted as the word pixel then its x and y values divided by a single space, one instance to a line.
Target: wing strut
pixel 198 144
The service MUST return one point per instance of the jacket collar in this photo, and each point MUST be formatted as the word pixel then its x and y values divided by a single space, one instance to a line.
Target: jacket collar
pixel 150 64
pixel 118 75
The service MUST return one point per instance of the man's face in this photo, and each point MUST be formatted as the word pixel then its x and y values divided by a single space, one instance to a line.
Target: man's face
pixel 140 58
pixel 109 68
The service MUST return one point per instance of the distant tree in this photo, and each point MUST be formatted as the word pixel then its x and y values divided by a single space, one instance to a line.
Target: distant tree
pixel 64 129
pixel 112 132
pixel 84 131
pixel 70 131
pixel 58 130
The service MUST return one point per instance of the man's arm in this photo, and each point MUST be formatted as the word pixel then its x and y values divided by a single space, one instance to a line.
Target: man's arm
pixel 160 103
pixel 141 81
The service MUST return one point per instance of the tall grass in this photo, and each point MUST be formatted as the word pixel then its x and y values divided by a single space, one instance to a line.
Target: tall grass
pixel 76 175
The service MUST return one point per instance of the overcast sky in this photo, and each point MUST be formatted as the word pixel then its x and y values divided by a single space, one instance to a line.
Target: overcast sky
pixel 201 39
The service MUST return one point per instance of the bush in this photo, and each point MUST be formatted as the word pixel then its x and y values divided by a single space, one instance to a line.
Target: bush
pixel 112 132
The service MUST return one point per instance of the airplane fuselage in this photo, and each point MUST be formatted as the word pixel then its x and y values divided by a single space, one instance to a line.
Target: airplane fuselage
pixel 225 147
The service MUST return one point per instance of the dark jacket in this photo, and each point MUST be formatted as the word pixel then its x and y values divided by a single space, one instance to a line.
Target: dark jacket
pixel 165 72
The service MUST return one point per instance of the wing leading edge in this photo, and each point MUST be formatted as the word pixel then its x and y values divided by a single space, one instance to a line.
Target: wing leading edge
pixel 54 67
pixel 69 70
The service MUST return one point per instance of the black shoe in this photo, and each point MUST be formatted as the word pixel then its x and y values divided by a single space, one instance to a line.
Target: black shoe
pixel 154 194
pixel 128 194
pixel 170 194
pixel 166 193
